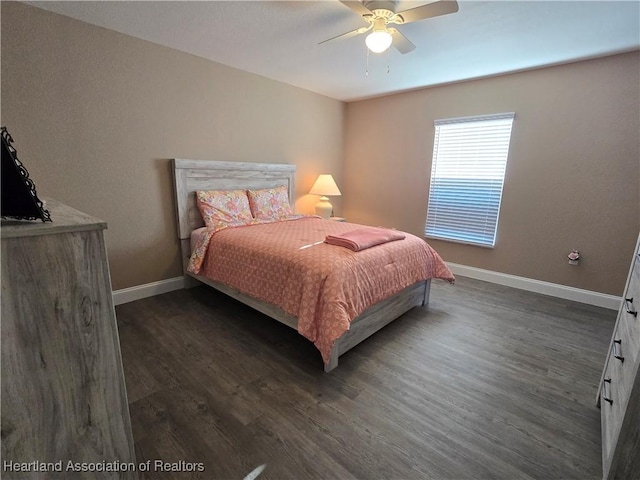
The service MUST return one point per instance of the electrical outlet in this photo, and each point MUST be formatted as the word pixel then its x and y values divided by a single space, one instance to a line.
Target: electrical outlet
pixel 574 257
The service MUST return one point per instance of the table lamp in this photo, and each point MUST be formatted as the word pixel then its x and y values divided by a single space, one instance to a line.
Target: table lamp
pixel 325 186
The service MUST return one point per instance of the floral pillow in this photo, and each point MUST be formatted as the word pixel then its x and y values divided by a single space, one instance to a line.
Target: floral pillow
pixel 270 203
pixel 229 206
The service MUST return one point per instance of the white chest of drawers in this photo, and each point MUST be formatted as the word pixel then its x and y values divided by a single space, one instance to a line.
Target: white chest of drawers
pixel 619 392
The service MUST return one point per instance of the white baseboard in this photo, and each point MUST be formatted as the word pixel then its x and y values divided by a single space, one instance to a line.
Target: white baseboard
pixel 139 292
pixel 546 288
pixel 537 286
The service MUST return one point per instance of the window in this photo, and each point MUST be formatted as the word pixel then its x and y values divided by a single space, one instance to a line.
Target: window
pixel 467 174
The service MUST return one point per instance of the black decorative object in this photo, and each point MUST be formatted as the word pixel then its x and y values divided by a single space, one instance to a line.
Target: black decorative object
pixel 19 197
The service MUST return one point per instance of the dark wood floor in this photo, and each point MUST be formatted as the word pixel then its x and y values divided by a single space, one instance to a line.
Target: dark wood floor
pixel 486 382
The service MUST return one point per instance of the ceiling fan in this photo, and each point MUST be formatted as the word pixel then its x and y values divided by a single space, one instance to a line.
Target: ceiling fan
pixel 380 14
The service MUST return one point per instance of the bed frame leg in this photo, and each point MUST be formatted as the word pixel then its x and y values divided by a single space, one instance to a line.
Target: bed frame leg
pixel 190 282
pixel 333 360
pixel 427 291
pixel 185 247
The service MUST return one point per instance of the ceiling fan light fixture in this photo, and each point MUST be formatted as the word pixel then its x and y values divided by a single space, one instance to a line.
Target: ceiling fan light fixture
pixel 378 41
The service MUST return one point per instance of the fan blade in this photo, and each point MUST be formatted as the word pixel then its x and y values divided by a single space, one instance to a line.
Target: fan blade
pixel 350 34
pixel 400 42
pixel 430 10
pixel 357 7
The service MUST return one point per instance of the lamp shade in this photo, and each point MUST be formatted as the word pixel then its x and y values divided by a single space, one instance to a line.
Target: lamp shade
pixel 378 41
pixel 326 186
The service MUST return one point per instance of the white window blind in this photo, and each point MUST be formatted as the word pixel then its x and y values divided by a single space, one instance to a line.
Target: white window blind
pixel 467 175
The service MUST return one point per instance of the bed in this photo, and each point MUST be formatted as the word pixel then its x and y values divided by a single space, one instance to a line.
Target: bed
pixel 383 308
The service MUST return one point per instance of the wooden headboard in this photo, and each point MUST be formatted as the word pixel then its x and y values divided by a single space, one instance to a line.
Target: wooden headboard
pixel 192 175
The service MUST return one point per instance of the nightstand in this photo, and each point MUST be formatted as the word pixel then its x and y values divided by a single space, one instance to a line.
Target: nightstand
pixel 338 219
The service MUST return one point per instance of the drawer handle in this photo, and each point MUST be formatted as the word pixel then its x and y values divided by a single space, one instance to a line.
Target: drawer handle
pixel 616 354
pixel 628 305
pixel 605 395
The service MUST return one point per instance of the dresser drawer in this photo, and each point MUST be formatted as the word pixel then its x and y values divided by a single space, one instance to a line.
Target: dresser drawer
pixel 620 370
pixel 628 328
pixel 611 403
pixel 627 339
pixel 634 281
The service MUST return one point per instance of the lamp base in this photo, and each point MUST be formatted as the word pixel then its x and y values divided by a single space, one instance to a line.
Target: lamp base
pixel 324 207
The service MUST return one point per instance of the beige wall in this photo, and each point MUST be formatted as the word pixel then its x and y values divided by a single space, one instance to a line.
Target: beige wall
pixel 96 117
pixel 572 176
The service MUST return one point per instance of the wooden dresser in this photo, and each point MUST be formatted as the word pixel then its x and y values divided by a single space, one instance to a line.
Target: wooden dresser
pixel 619 392
pixel 63 390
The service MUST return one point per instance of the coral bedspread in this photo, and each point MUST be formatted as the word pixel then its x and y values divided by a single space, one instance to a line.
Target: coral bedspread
pixel 287 263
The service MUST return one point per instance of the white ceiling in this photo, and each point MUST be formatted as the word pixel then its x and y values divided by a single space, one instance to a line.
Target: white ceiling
pixel 279 39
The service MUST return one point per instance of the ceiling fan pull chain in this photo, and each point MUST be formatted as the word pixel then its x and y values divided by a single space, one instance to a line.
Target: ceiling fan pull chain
pixel 388 60
pixel 366 74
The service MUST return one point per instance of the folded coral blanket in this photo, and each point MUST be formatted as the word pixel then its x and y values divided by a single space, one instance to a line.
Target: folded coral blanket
pixel 362 238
